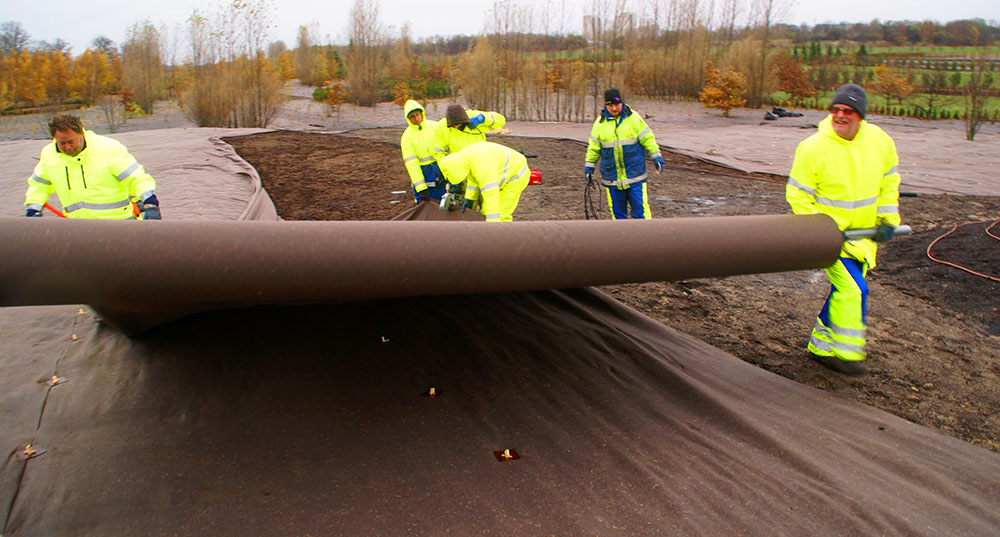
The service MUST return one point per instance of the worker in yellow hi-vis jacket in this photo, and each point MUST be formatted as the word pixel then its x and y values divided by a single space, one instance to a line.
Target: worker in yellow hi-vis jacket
pixel 493 173
pixel 94 176
pixel 847 170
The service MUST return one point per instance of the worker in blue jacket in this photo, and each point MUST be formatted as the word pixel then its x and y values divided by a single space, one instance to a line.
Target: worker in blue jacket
pixel 621 140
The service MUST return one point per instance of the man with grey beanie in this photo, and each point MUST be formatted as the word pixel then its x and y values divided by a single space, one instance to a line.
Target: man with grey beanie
pixel 848 171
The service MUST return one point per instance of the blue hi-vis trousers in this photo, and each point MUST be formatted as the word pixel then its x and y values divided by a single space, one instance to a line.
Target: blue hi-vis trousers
pixel 840 327
pixel 620 200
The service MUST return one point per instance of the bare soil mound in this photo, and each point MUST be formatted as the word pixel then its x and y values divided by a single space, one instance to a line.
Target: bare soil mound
pixel 934 329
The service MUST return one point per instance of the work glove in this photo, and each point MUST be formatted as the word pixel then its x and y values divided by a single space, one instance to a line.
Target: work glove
pixel 151 212
pixel 32 212
pixel 589 176
pixel 884 232
pixel 658 161
pixel 477 120
pixel 468 204
pixel 424 195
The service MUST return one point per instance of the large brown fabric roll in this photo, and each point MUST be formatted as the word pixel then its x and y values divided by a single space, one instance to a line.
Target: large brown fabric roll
pixel 138 273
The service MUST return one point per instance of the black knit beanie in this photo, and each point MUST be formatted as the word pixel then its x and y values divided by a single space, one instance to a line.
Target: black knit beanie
pixel 851 95
pixel 612 96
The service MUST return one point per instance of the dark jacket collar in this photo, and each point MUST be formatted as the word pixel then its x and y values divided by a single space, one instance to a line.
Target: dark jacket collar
pixel 626 112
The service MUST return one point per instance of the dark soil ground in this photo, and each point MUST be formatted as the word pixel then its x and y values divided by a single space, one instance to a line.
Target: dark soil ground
pixel 934 330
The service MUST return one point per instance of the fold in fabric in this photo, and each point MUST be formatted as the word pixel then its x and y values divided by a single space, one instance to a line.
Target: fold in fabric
pixel 136 274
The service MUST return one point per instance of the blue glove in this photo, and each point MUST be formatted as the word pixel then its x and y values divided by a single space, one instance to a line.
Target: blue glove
pixel 659 163
pixel 32 212
pixel 589 176
pixel 477 120
pixel 884 232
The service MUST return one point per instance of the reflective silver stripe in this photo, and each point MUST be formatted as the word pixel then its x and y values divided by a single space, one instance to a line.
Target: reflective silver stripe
pixel 425 160
pixel 128 171
pixel 847 347
pixel 493 215
pixel 489 186
pixel 839 204
pixel 589 164
pixel 471 189
pixel 822 329
pixel 619 142
pixel 820 344
pixel 657 154
pixel 518 175
pixel 38 179
pixel 828 346
pixel 145 195
pixel 440 149
pixel 595 140
pixel 894 169
pixel 800 186
pixel 848 332
pixel 97 206
pixel 868 202
pixel 408 159
pixel 643 133
pixel 626 181
pixel 418 183
pixel 888 209
pixel 506 164
pixel 504 178
pixel 35 206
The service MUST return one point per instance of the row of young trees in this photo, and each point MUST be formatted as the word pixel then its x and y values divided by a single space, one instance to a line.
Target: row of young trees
pixel 226 81
pixel 525 63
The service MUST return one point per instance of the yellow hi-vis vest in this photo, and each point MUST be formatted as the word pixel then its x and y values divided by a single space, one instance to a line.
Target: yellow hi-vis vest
pixel 100 182
pixel 856 182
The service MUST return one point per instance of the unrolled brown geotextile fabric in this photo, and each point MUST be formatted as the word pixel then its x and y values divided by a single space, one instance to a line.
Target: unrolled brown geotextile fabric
pixel 316 420
pixel 290 395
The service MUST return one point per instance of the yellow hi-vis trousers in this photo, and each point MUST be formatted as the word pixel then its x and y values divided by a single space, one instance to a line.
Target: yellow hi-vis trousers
pixel 840 327
pixel 510 195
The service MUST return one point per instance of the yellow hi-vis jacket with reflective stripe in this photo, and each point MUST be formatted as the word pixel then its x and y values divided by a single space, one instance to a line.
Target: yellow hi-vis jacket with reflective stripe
pixel 856 182
pixel 487 168
pixel 621 144
pixel 100 182
pixel 450 140
pixel 417 144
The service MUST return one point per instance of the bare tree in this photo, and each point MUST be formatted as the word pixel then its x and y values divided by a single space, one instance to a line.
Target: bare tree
pixel 13 38
pixel 104 45
pixel 143 67
pixel 976 92
pixel 113 112
pixel 234 85
pixel 764 15
pixel 364 52
pixel 731 10
pixel 478 74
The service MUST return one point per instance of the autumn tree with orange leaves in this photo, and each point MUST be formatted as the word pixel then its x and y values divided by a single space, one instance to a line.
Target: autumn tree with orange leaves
pixel 723 88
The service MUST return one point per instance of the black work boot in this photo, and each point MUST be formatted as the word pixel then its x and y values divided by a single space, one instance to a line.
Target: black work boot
pixel 846 367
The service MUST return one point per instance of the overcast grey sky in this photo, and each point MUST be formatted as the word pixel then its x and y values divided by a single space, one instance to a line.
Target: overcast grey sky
pixel 79 22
